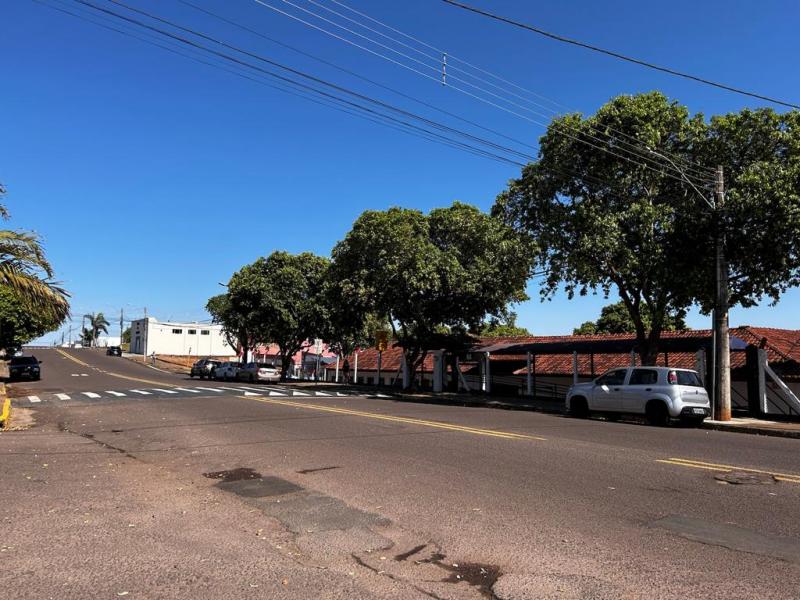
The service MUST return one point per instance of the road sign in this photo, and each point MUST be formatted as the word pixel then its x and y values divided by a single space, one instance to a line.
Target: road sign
pixel 317 346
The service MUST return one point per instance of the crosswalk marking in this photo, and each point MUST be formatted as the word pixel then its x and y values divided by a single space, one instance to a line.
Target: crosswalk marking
pixel 188 390
pixel 62 396
pixel 232 389
pixel 142 392
pixel 276 394
pixel 76 374
pixel 90 394
pixel 321 394
pixel 113 393
pixel 33 399
pixel 84 374
pixel 219 391
pixel 296 393
pixel 163 390
pixel 251 394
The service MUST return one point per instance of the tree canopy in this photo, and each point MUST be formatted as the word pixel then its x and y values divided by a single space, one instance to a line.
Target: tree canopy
pixel 499 327
pixel 605 218
pixel 280 299
pixel 445 271
pixel 615 318
pixel 19 324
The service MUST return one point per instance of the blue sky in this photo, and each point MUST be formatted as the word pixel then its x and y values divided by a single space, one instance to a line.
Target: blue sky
pixel 152 178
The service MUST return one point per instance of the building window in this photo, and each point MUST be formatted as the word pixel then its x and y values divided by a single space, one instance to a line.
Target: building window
pixel 204 332
pixel 177 331
pixel 192 331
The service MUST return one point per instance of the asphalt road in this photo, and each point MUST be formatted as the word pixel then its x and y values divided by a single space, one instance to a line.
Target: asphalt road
pixel 352 496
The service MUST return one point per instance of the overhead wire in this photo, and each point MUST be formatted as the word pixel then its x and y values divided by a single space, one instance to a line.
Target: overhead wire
pixel 649 159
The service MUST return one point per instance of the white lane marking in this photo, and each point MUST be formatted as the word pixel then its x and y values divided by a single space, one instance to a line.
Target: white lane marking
pixel 232 389
pixel 113 393
pixel 62 396
pixel 142 392
pixel 381 396
pixel 188 390
pixel 321 394
pixel 219 391
pixel 163 390
pixel 90 394
pixel 76 374
pixel 341 394
pixel 276 394
pixel 33 399
pixel 251 394
pixel 296 393
pixel 84 374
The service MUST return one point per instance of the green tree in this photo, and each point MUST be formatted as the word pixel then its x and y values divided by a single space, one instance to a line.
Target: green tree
pixel 498 327
pixel 25 269
pixel 280 297
pixel 235 324
pixel 615 318
pixel 126 336
pixel 19 324
pixel 445 271
pixel 97 324
pixel 605 219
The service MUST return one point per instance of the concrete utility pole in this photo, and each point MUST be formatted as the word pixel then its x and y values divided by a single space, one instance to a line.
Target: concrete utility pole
pixel 121 325
pixel 722 372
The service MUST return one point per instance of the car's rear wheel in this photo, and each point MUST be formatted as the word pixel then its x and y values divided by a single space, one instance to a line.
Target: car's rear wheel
pixel 579 408
pixel 656 413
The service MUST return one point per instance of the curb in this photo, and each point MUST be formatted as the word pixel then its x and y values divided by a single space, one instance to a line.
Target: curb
pixel 5 415
pixel 783 433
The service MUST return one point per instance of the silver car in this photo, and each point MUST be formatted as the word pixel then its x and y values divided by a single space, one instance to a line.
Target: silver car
pixel 227 371
pixel 658 393
pixel 253 372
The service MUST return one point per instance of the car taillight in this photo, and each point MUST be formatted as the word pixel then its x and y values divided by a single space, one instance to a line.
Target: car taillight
pixel 672 378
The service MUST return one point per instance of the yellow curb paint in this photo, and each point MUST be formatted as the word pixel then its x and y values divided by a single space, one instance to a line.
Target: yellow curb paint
pixel 118 375
pixel 5 416
pixel 409 420
pixel 696 464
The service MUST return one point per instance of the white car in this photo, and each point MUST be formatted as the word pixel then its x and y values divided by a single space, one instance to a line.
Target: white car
pixel 658 393
pixel 227 371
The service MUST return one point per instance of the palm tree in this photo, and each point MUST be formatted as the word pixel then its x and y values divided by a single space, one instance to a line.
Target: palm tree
pixel 97 324
pixel 25 269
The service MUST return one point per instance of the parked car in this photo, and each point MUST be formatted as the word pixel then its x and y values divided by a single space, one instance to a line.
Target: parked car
pixel 24 366
pixel 253 372
pixel 658 393
pixel 227 371
pixel 114 351
pixel 204 367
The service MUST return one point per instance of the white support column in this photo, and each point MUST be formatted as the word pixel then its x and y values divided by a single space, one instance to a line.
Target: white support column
pixel 487 382
pixel 529 378
pixel 438 370
pixel 762 380
pixel 355 368
pixel 337 369
pixel 574 367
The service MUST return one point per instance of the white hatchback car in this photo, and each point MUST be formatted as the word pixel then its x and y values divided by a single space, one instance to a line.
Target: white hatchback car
pixel 227 371
pixel 658 393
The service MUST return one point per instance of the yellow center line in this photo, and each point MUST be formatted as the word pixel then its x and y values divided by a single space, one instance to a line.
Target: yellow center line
pixel 409 420
pixel 118 375
pixel 696 464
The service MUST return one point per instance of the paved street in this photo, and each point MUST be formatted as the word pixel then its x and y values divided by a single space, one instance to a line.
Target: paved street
pixel 139 483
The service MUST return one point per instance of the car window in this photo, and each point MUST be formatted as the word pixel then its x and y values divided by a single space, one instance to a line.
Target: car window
pixel 644 377
pixel 616 377
pixel 24 360
pixel 686 378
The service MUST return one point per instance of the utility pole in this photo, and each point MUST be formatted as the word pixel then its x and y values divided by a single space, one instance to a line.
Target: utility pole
pixel 722 371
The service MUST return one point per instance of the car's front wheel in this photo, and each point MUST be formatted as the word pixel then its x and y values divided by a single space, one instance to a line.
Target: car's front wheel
pixel 579 408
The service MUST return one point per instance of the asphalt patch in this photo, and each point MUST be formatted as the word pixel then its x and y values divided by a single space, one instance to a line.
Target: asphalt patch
pixel 746 478
pixel 263 487
pixel 307 471
pixel 234 474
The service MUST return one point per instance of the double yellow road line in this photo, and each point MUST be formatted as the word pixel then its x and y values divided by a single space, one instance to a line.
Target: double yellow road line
pixel 408 420
pixel 696 464
pixel 117 375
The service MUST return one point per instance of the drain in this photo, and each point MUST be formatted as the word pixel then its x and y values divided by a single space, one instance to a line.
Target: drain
pixel 234 474
pixel 746 478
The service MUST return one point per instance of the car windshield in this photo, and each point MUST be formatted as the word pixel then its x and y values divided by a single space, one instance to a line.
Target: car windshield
pixel 24 360
pixel 688 378
pixel 265 366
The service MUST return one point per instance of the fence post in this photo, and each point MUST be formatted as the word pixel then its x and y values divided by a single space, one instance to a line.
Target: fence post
pixel 529 377
pixel 487 373
pixel 574 367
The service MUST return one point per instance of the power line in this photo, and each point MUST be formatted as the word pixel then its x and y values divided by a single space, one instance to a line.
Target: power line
pixel 617 55
pixel 640 154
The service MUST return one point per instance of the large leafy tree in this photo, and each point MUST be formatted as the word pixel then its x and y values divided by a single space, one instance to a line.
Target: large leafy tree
pixel 19 324
pixel 236 327
pixel 503 327
pixel 615 318
pixel 25 269
pixel 280 297
pixel 607 218
pixel 429 274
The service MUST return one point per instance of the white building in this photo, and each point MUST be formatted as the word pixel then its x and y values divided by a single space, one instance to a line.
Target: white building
pixel 179 339
pixel 104 341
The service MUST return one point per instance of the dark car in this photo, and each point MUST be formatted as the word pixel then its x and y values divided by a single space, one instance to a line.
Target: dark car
pixel 114 351
pixel 204 368
pixel 24 366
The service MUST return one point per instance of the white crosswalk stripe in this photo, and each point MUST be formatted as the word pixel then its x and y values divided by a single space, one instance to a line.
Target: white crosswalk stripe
pixel 321 394
pixel 163 390
pixel 251 394
pixel 62 396
pixel 276 394
pixel 117 394
pixel 188 390
pixel 33 399
pixel 219 391
pixel 84 374
pixel 232 389
pixel 296 393
pixel 90 394
pixel 142 392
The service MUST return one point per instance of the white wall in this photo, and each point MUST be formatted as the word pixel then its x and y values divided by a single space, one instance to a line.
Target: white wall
pixel 179 339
